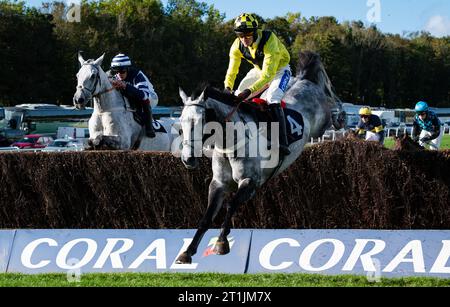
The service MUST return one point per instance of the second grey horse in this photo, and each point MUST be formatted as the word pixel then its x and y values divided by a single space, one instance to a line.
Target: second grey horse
pixel 112 124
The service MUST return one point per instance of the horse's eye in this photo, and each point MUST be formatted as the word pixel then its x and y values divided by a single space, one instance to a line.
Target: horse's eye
pixel 180 132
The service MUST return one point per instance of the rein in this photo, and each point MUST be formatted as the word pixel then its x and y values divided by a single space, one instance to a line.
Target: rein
pixel 246 101
pixel 97 81
pixel 104 92
pixel 228 118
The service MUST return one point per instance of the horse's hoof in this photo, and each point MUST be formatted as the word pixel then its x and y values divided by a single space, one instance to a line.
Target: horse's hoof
pixel 222 248
pixel 184 258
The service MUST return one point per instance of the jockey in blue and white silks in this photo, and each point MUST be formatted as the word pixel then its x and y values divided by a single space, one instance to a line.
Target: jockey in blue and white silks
pixel 136 86
pixel 427 127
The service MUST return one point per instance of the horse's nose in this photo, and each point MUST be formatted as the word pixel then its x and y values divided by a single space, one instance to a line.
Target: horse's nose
pixel 80 100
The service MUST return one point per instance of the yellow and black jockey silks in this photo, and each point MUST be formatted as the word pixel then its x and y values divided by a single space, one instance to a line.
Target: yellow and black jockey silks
pixel 267 54
pixel 258 60
pixel 373 125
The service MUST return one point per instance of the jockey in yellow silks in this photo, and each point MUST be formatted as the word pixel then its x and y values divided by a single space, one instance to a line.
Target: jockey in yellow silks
pixel 270 58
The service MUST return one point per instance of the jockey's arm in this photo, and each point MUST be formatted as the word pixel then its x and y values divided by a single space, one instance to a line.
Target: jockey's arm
pixel 135 93
pixel 437 128
pixel 360 129
pixel 416 130
pixel 379 129
pixel 272 58
pixel 233 66
pixel 435 134
pixel 142 90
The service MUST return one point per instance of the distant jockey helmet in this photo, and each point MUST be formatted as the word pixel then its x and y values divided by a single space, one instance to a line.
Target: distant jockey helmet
pixel 421 107
pixel 365 111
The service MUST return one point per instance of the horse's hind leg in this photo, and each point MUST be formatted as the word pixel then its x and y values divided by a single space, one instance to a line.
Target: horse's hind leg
pixel 215 200
pixel 245 192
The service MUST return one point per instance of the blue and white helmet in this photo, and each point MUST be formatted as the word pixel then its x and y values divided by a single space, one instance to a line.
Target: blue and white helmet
pixel 120 61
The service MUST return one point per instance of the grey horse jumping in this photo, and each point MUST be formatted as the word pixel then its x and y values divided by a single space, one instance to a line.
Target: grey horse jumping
pixel 311 108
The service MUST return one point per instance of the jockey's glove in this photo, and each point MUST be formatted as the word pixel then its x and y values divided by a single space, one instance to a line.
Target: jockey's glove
pixel 244 95
pixel 228 90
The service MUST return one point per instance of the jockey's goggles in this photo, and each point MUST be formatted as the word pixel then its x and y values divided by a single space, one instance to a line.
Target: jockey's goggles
pixel 244 35
pixel 119 70
pixel 365 116
pixel 422 113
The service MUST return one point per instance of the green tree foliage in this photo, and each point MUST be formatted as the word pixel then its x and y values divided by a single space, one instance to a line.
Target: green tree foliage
pixel 187 42
pixel 27 55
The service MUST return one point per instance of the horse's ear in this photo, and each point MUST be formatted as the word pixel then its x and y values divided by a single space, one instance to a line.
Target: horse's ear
pixel 80 58
pixel 202 96
pixel 99 61
pixel 183 95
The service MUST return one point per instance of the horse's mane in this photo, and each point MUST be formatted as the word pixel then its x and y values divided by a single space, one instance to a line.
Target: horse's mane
pixel 404 142
pixel 212 92
pixel 310 68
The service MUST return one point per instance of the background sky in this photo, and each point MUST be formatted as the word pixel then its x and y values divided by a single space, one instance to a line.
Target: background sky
pixel 397 16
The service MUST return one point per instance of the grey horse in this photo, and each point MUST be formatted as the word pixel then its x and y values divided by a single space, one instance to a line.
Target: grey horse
pixel 311 108
pixel 112 124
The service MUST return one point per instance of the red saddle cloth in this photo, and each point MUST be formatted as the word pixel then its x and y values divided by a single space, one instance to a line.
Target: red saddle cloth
pixel 260 101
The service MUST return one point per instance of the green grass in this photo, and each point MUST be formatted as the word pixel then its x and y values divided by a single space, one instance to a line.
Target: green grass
pixel 211 280
pixel 445 144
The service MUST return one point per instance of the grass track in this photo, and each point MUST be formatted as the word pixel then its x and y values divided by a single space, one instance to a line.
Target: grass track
pixel 445 144
pixel 211 280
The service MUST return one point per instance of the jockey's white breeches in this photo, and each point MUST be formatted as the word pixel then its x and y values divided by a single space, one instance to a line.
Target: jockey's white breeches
pixel 277 87
pixel 434 144
pixel 370 136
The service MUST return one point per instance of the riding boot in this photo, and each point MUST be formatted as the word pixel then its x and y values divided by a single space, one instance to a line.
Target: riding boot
pixel 278 114
pixel 148 121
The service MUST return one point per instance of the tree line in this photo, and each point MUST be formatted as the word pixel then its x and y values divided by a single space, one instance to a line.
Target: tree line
pixel 186 42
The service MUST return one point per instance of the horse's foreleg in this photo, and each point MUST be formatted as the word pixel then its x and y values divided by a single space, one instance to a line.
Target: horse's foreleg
pixel 215 200
pixel 94 142
pixel 245 192
pixel 113 142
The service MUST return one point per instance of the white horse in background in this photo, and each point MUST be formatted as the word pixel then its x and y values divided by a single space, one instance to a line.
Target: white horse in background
pixel 112 124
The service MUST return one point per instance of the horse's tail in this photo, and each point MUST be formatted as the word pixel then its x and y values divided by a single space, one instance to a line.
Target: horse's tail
pixel 310 68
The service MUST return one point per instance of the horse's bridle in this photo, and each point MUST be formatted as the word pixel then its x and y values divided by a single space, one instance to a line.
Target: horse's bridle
pixel 189 142
pixel 97 81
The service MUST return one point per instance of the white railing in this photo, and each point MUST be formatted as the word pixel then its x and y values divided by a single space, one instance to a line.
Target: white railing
pixel 329 135
pixel 62 149
pixel 9 148
pixel 403 130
